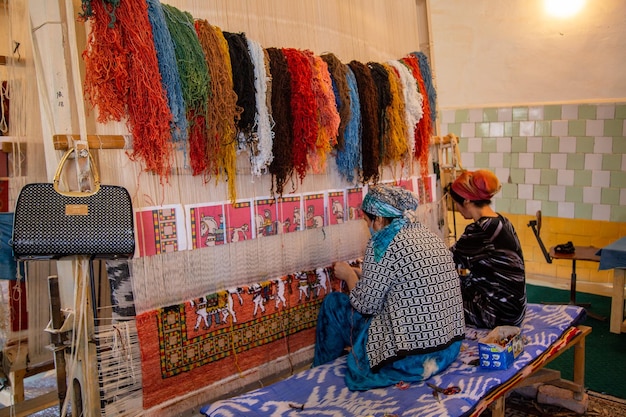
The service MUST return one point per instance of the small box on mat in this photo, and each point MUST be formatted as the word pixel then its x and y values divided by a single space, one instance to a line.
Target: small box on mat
pixel 500 347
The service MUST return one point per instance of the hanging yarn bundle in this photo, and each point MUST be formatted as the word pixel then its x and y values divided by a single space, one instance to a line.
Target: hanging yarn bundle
pixel 222 110
pixel 170 79
pixel 303 108
pixel 381 80
pixel 260 144
pixel 281 168
pixel 424 127
pixel 370 134
pixel 412 102
pixel 397 148
pixel 428 84
pixel 338 73
pixel 348 158
pixel 194 79
pixel 106 63
pixel 148 114
pixel 327 114
pixel 243 82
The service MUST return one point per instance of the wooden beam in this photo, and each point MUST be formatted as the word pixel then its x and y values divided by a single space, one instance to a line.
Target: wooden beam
pixel 3 59
pixel 63 142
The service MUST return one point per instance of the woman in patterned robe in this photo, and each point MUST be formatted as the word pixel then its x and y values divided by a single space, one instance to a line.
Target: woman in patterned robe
pixel 488 255
pixel 403 317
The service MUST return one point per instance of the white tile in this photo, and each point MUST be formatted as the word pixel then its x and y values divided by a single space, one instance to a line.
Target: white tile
pixel 566 210
pixel 558 161
pixel 503 145
pixel 532 176
pixel 474 145
pixel 525 191
pixel 534 144
pixel 622 197
pixel 526 128
pixel 526 160
pixel 600 178
pixel 496 160
pixel 592 195
pixel 502 174
pixel 532 206
pixel 569 111
pixel 505 114
pixel 594 127
pixel 476 115
pixel 496 129
pixel 467 160
pixel 605 111
pixel 603 144
pixel 444 129
pixel 560 127
pixel 535 113
pixel 601 212
pixel 593 161
pixel 448 116
pixel 556 192
pixel 468 130
pixel 565 177
pixel 567 144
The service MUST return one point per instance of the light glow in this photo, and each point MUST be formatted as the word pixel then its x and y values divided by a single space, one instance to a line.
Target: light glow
pixel 563 8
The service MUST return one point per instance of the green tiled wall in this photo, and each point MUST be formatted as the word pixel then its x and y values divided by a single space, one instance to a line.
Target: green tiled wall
pixel 566 160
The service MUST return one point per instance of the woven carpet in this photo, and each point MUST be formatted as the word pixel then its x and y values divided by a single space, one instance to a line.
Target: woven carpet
pixel 599 405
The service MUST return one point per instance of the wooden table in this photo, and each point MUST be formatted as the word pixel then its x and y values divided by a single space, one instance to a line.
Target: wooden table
pixel 613 256
pixel 582 253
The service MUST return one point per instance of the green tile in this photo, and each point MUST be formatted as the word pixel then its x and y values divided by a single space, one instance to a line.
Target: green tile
pixel 574 194
pixel 520 113
pixel 585 144
pixel 583 211
pixel 618 179
pixel 618 214
pixel 518 144
pixel 548 176
pixel 509 190
pixel 542 160
pixel 549 209
pixel 518 176
pixel 550 144
pixel 507 159
pixel 511 128
pixel 576 128
pixel 481 160
pixel 541 192
pixel 461 116
pixel 518 206
pixel 587 111
pixel 619 145
pixel 503 205
pixel 611 162
pixel 614 127
pixel 481 130
pixel 552 112
pixel 609 196
pixel 620 111
pixel 582 178
pixel 489 145
pixel 575 161
pixel 454 128
pixel 543 128
pixel 490 115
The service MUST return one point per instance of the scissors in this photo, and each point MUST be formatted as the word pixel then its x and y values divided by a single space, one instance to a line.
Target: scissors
pixel 445 391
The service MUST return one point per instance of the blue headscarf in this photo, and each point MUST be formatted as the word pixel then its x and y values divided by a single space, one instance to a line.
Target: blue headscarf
pixel 388 201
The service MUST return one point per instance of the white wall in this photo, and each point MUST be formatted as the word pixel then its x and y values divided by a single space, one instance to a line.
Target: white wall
pixel 494 52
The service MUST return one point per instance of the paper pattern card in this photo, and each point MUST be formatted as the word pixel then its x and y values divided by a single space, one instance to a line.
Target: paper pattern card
pixel 336 206
pixel 289 213
pixel 355 198
pixel 206 225
pixel 314 211
pixel 266 217
pixel 160 229
pixel 239 221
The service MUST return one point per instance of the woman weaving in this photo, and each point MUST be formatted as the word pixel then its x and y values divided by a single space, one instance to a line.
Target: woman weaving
pixel 488 255
pixel 403 318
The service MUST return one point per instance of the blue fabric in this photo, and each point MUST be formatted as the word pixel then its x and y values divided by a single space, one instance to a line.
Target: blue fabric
pixel 8 266
pixel 340 326
pixel 613 255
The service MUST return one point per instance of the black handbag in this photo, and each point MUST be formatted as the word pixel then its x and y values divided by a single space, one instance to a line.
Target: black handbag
pixel 50 223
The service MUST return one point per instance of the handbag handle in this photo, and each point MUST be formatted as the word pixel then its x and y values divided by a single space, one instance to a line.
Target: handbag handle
pixel 94 172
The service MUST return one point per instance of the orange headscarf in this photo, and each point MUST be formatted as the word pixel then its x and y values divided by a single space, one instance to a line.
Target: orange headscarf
pixel 477 185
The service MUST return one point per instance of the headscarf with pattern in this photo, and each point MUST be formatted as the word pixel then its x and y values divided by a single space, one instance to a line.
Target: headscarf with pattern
pixel 477 185
pixel 392 202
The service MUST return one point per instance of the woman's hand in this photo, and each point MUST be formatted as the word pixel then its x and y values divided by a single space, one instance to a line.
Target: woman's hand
pixel 346 273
